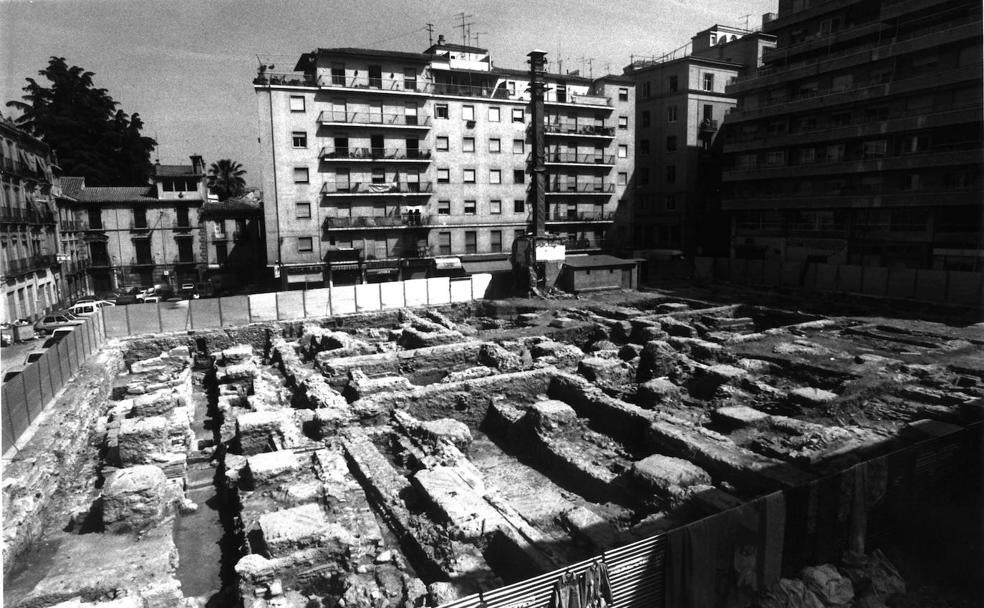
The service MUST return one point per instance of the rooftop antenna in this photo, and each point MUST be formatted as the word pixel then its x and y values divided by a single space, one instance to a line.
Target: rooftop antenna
pixel 746 18
pixel 476 35
pixel 589 61
pixel 430 34
pixel 464 25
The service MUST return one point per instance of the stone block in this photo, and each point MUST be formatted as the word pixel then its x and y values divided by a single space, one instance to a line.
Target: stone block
pixel 179 352
pixel 493 355
pixel 811 397
pixel 479 371
pixel 739 416
pixel 447 429
pixel 240 353
pixel 140 438
pixel 236 372
pixel 154 404
pixel 657 392
pixel 563 322
pixel 657 359
pixel 672 480
pixel 289 530
pixel 612 371
pixel 272 467
pixel 136 498
pixel 669 307
pixel 360 385
pixel 675 327
pixel 254 430
pixel 528 319
pixel 551 414
pixel 629 352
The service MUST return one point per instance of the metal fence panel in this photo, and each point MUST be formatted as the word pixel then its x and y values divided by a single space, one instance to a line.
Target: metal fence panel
pixel 415 292
pixel 76 338
pixel 964 288
pixel 849 278
pixel 367 298
pixel 204 314
pixel 461 290
pixel 55 369
pixel 32 388
pixel 754 272
pixel 343 300
pixel 15 415
pixel 290 305
pixel 739 270
pixel 772 272
pixel 144 318
pixel 71 347
pixel 61 350
pixel 47 390
pixel 263 307
pixel 317 302
pixel 234 310
pixel 391 295
pixel 174 316
pixel 115 321
pixel 438 290
pixel 704 269
pixel 901 283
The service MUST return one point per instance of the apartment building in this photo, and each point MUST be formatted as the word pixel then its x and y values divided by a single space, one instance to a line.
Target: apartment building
pixel 680 106
pixel 73 249
pixel 28 226
pixel 859 140
pixel 381 165
pixel 146 235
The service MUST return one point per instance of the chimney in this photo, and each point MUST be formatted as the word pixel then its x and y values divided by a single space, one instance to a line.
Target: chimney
pixel 197 164
pixel 440 40
pixel 768 18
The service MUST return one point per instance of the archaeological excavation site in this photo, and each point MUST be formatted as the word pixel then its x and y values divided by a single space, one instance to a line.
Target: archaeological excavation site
pixel 631 449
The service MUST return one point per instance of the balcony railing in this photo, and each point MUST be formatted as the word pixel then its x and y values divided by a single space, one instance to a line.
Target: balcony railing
pixel 364 81
pixel 582 244
pixel 562 215
pixel 584 100
pixel 185 259
pixel 573 158
pixel 379 120
pixel 134 225
pixel 71 226
pixel 181 224
pixel 708 126
pixel 575 188
pixel 374 154
pixel 100 262
pixel 465 90
pixel 394 220
pixel 30 264
pixel 285 79
pixel 142 261
pixel 380 189
pixel 583 130
pixel 26 215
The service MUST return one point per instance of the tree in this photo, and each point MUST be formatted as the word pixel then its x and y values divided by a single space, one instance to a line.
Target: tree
pixel 85 128
pixel 225 178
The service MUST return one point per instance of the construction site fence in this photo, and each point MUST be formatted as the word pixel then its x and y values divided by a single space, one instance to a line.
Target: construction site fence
pixel 950 287
pixel 232 311
pixel 27 394
pixel 925 471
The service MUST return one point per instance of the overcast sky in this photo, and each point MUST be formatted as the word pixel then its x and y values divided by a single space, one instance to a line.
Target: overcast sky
pixel 187 65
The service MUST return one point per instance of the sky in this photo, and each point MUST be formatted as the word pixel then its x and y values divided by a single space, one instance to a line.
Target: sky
pixel 186 66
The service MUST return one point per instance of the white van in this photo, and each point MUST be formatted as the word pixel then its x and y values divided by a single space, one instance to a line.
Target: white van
pixel 85 309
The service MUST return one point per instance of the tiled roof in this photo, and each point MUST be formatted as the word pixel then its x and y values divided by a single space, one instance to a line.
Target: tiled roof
pixel 456 47
pixel 117 194
pixel 174 171
pixel 233 206
pixel 71 185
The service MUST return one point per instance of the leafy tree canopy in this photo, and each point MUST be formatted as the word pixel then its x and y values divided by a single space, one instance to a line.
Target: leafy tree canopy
pixel 225 178
pixel 91 136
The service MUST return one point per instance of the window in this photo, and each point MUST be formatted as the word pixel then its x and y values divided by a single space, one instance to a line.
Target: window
pixel 643 146
pixel 443 175
pixel 375 76
pixel 623 94
pixel 623 178
pixel 441 143
pixel 875 149
pixel 410 79
pixel 441 110
pixel 468 176
pixel 518 115
pixel 519 205
pixel 303 211
pixel 493 114
pixel 623 122
pixel 468 144
pixel 379 176
pixel 470 207
pixel 519 176
pixel 495 176
pixel 444 243
pixel 468 112
pixel 623 151
pixel 670 174
pixel 495 145
pixel 673 84
pixel 296 103
pixel 444 207
pixel 305 243
pixel 642 176
pixel 300 175
pixel 495 207
pixel 471 241
pixel 338 74
pixel 518 146
pixel 645 118
pixel 708 111
pixel 342 183
pixel 671 114
pixel 495 240
pixel 299 139
pixel 915 143
pixel 671 143
pixel 708 82
pixel 670 202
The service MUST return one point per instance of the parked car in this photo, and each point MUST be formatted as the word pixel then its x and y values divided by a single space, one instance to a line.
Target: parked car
pixel 126 298
pixel 49 323
pixel 188 291
pixel 88 308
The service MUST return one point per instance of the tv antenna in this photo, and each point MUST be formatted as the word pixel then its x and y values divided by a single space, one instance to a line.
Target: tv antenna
pixel 746 18
pixel 476 35
pixel 589 61
pixel 430 34
pixel 465 26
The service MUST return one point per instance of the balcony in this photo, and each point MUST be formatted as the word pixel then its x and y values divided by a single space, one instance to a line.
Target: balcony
pixel 374 155
pixel 466 90
pixel 364 82
pixel 26 215
pixel 29 264
pixel 368 189
pixel 99 262
pixel 238 235
pixel 922 160
pixel 596 101
pixel 138 226
pixel 289 79
pixel 395 121
pixel 574 130
pixel 396 220
pixel 584 244
pixel 142 261
pixel 184 260
pixel 71 226
pixel 181 224
pixel 708 127
pixel 573 158
pixel 598 188
pixel 566 216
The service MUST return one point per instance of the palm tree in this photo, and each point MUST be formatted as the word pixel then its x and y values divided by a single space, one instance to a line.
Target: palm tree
pixel 225 178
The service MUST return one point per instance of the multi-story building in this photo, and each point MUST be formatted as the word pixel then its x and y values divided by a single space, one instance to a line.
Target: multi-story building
pixel 72 247
pixel 234 245
pixel 377 163
pixel 859 141
pixel 146 235
pixel 28 227
pixel 681 102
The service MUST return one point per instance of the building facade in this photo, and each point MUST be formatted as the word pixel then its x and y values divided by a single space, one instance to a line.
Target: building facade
pixel 859 140
pixel 680 106
pixel 234 247
pixel 381 165
pixel 72 246
pixel 147 235
pixel 28 226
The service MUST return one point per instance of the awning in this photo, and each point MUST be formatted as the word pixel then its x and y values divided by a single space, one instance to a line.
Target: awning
pixel 488 266
pixel 336 266
pixel 305 278
pixel 381 271
pixel 447 263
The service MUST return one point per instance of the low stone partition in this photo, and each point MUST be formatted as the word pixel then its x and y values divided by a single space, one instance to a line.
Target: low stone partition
pixel 446 357
pixel 623 421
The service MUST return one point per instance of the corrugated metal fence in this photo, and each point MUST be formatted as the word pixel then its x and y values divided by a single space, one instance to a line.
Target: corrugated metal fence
pixel 27 394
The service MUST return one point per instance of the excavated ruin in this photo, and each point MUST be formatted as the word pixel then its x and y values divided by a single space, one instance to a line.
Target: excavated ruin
pixel 411 459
